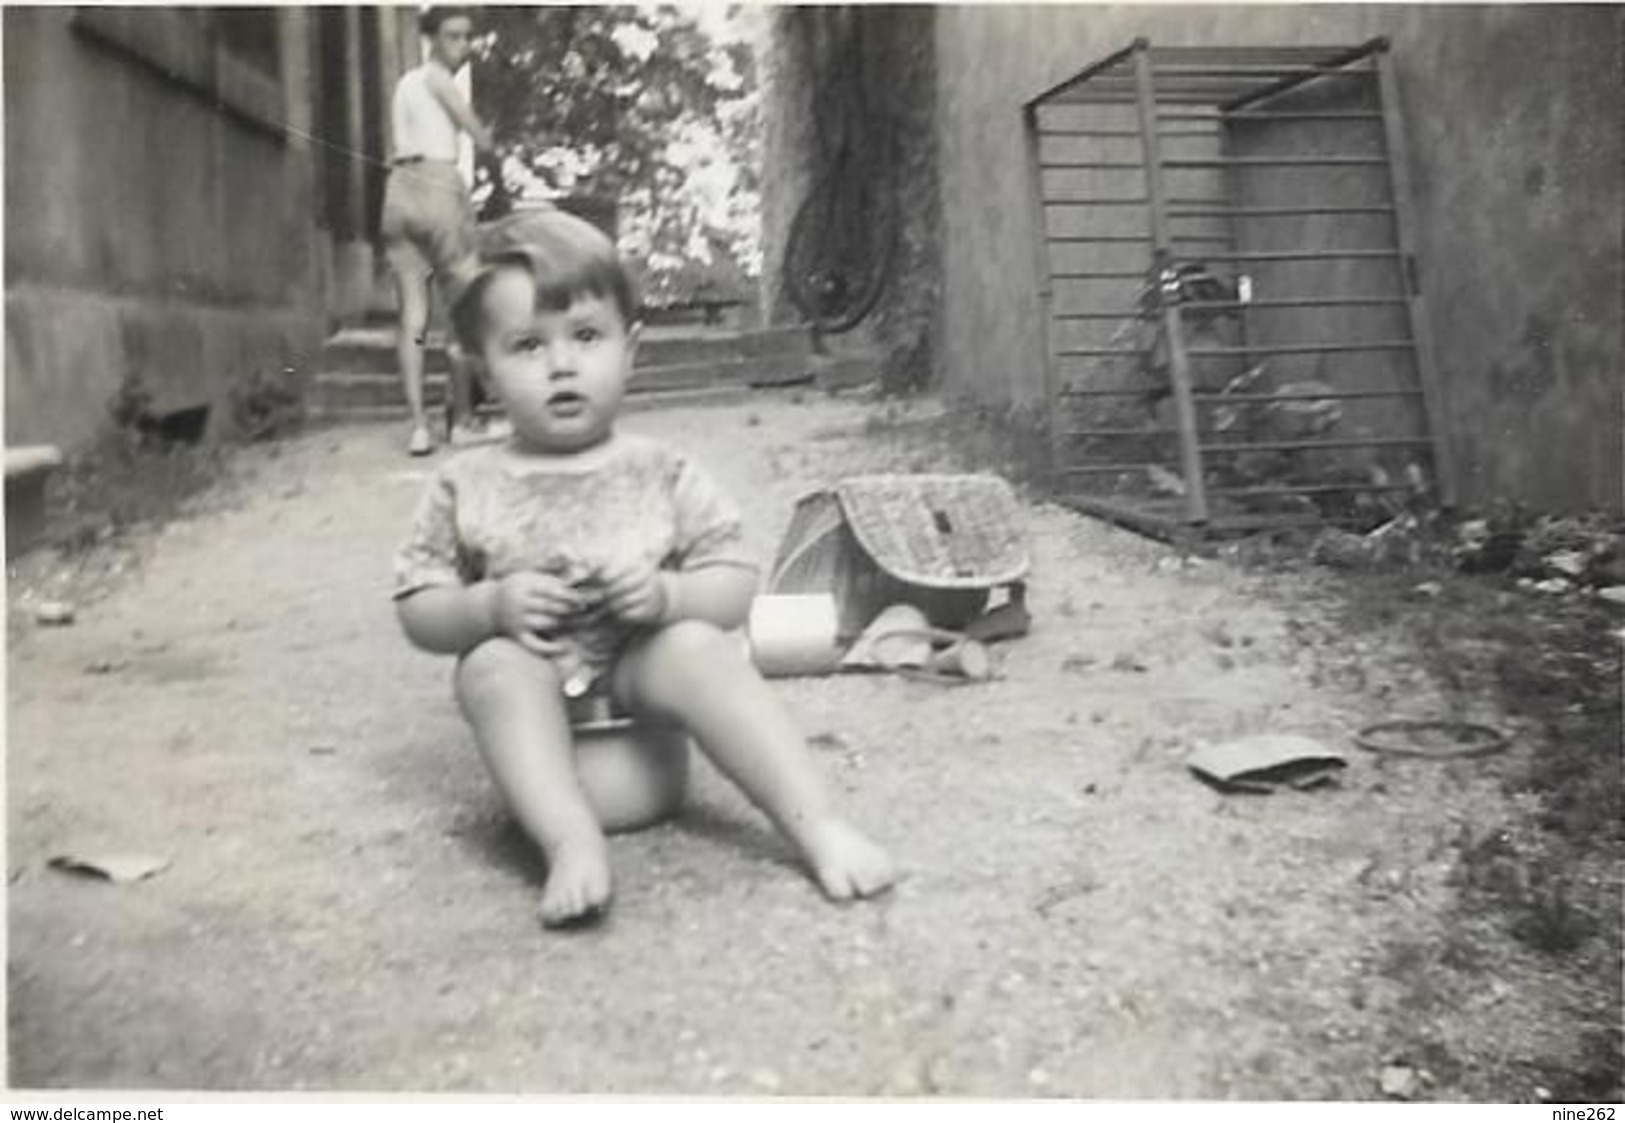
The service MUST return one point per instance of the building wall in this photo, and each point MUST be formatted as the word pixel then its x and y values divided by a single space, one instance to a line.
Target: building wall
pixel 894 78
pixel 161 226
pixel 1514 122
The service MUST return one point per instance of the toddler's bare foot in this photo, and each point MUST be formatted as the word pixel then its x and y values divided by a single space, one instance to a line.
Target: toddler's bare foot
pixel 845 862
pixel 577 884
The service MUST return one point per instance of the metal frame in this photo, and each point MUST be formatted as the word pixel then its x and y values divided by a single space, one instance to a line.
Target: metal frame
pixel 1176 95
pixel 1405 224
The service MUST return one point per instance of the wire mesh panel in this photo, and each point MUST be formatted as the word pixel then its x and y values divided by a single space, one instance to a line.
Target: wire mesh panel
pixel 1235 338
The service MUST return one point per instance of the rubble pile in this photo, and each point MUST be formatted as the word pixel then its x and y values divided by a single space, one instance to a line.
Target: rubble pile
pixel 1551 554
pixel 1547 554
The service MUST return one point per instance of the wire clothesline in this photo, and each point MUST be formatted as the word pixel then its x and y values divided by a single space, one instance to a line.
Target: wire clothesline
pixel 355 153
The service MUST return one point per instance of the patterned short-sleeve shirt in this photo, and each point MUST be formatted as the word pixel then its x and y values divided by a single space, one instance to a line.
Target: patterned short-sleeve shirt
pixel 496 510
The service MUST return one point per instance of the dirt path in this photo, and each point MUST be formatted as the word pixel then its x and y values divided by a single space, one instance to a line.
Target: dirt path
pixel 347 908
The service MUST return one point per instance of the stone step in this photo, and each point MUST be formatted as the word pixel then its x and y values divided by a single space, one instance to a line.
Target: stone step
pixel 658 349
pixel 842 372
pixel 635 403
pixel 355 393
pixel 371 348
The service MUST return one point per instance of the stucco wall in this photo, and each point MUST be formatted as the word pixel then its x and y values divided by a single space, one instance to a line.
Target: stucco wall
pixel 898 81
pixel 1514 122
pixel 149 236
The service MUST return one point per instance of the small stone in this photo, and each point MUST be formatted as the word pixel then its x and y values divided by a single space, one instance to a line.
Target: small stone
pixel 765 1079
pixel 54 613
pixel 1570 563
pixel 1542 1093
pixel 1614 594
pixel 907 1079
pixel 1398 1082
pixel 1038 1078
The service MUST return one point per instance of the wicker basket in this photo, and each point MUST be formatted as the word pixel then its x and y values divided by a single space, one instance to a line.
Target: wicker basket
pixel 940 542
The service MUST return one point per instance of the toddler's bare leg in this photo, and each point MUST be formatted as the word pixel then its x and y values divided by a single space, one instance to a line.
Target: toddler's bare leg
pixel 514 702
pixel 692 674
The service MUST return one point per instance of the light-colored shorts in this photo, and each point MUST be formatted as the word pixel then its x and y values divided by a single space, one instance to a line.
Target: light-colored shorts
pixel 428 220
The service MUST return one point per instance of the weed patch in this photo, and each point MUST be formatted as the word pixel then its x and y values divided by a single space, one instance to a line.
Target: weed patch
pixel 1540 889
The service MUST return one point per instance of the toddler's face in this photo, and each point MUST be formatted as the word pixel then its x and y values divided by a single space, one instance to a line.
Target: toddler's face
pixel 561 375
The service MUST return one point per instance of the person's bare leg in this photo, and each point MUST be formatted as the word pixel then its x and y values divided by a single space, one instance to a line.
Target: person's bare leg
pixel 412 299
pixel 514 702
pixel 692 674
pixel 461 413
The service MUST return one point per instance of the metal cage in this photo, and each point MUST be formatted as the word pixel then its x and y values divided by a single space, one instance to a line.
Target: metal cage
pixel 1235 335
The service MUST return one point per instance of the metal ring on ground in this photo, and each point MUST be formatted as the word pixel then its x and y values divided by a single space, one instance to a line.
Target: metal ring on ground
pixel 1466 739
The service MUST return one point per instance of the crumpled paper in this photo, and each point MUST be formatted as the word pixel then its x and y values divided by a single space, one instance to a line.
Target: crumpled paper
pixel 120 867
pixel 1266 762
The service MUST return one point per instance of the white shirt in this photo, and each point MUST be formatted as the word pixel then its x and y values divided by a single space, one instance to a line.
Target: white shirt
pixel 420 125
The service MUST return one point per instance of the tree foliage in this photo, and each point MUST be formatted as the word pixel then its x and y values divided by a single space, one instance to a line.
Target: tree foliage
pixel 653 107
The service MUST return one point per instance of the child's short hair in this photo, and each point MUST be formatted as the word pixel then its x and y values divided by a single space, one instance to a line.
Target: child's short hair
pixel 566 256
pixel 431 18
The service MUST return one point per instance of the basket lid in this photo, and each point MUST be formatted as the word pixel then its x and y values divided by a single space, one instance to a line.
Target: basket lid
pixel 941 531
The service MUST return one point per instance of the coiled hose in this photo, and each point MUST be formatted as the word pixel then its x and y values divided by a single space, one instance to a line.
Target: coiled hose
pixel 838 254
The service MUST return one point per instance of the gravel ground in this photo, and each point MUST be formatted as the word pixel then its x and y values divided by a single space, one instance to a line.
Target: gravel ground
pixel 348 909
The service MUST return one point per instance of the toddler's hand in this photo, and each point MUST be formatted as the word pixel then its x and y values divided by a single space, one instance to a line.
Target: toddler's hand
pixel 527 607
pixel 635 592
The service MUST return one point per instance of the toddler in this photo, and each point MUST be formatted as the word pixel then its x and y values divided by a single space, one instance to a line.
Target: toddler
pixel 572 560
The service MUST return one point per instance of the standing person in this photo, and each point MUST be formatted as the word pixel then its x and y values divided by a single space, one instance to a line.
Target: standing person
pixel 428 218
